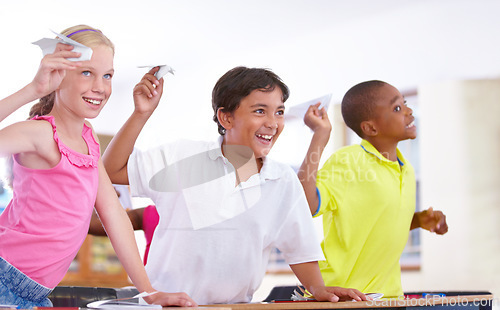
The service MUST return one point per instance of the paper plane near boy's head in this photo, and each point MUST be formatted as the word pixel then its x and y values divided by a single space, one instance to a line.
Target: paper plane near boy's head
pixel 297 112
pixel 164 69
pixel 48 46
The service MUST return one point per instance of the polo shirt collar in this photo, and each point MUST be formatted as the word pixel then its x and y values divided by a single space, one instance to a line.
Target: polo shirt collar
pixel 369 148
pixel 270 170
pixel 215 148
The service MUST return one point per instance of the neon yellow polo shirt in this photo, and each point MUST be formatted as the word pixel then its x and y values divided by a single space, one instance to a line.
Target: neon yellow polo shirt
pixel 367 203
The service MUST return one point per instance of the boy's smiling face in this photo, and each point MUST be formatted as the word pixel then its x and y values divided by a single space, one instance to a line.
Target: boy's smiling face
pixel 393 119
pixel 257 122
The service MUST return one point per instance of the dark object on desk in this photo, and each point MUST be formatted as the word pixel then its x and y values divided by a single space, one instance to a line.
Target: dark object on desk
pixel 80 296
pixel 280 293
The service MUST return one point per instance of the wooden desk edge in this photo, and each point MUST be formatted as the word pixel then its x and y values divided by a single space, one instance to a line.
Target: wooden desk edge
pixel 384 303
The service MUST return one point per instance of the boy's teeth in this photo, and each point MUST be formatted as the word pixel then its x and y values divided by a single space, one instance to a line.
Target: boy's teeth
pixel 267 137
pixel 411 124
pixel 93 101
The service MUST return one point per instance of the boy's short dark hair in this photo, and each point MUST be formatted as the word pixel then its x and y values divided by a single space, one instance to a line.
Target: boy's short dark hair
pixel 358 104
pixel 238 83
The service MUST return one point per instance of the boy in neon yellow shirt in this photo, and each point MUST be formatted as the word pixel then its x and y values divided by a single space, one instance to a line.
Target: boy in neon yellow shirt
pixel 366 193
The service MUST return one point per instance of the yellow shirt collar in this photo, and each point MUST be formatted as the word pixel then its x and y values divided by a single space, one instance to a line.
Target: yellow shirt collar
pixel 368 147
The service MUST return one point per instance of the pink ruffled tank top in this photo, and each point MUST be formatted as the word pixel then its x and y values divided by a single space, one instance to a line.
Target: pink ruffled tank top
pixel 47 220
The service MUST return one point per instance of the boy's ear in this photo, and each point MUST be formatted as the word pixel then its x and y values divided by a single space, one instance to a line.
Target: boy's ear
pixel 224 118
pixel 369 129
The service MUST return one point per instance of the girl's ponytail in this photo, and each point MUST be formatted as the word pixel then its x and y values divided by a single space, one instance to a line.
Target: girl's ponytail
pixel 44 106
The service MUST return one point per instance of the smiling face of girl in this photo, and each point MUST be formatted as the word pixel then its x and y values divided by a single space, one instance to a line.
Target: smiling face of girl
pixel 85 90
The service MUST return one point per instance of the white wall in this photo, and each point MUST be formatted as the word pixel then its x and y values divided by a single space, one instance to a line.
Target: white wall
pixel 317 47
pixel 460 174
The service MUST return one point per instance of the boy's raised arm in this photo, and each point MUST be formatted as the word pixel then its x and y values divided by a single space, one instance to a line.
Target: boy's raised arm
pixel 147 94
pixel 318 121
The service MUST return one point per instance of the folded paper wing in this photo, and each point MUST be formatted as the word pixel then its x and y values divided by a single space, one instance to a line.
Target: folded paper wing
pixel 297 112
pixel 164 69
pixel 48 46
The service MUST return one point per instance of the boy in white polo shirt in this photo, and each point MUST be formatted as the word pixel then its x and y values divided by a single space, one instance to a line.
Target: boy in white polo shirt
pixel 366 193
pixel 223 204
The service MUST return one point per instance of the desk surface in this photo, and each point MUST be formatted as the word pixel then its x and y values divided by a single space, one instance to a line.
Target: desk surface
pixel 384 303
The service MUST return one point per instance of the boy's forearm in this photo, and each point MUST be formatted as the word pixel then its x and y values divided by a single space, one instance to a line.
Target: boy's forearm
pixel 117 153
pixel 309 170
pixel 415 221
pixel 309 275
pixel 96 228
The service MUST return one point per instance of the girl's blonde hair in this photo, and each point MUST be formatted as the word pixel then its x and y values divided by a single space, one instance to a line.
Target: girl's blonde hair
pixel 85 35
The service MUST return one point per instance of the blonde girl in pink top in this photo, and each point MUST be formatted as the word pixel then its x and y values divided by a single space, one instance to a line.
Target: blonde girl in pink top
pixel 58 177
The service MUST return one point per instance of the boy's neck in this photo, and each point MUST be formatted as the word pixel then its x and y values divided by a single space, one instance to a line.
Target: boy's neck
pixel 243 160
pixel 387 149
pixel 244 172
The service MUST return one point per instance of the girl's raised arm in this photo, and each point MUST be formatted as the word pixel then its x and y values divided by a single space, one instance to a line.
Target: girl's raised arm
pixel 50 74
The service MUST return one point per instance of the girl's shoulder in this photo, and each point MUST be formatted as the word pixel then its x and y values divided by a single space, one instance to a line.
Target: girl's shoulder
pixel 36 127
pixel 41 122
pixel 33 142
pixel 25 136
